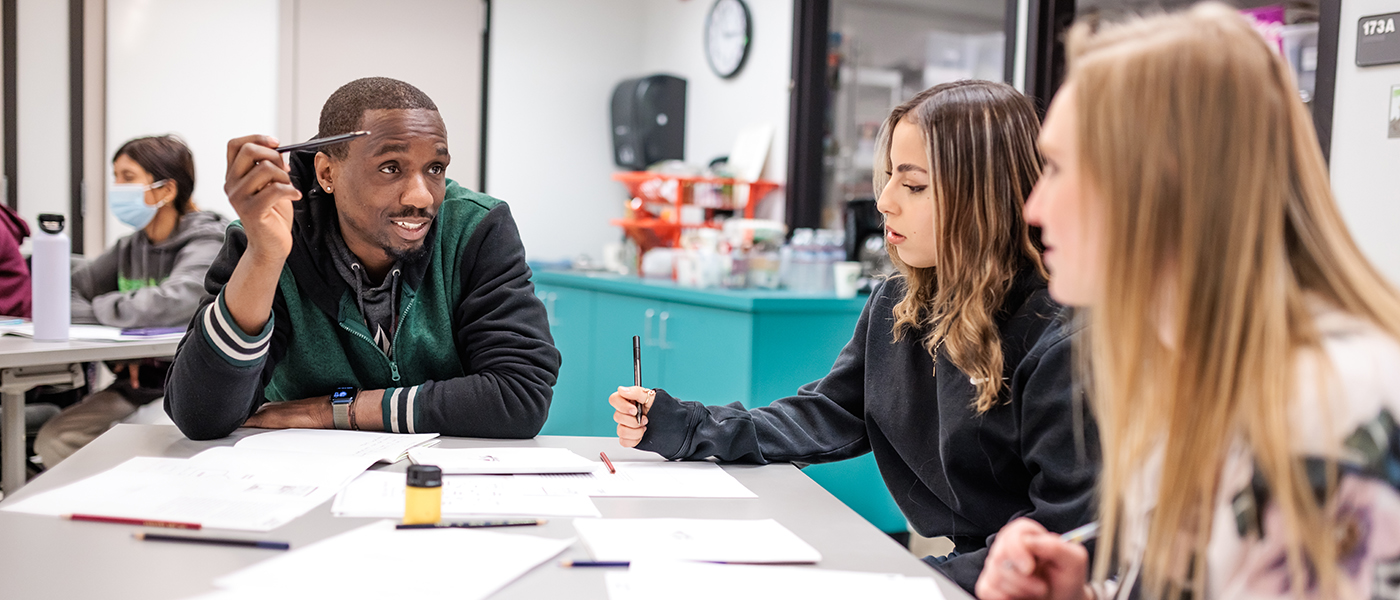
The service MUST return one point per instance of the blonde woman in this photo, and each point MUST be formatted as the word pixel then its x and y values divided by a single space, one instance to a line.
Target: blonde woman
pixel 1245 365
pixel 958 375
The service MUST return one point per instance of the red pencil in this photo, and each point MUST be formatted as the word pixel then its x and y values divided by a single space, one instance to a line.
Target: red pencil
pixel 608 463
pixel 126 521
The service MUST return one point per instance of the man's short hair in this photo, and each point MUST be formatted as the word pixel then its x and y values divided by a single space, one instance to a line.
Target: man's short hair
pixel 344 111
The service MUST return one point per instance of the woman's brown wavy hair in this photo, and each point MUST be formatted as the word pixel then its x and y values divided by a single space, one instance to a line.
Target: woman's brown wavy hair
pixel 981 142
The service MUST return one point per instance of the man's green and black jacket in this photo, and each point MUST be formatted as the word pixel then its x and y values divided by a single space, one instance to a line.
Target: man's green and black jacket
pixel 471 354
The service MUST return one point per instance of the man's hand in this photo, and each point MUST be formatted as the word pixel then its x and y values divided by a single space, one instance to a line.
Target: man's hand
pixel 260 190
pixel 1028 561
pixel 307 413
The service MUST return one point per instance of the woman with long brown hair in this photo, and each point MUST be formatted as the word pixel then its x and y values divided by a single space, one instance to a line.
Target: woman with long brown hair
pixel 958 375
pixel 1245 365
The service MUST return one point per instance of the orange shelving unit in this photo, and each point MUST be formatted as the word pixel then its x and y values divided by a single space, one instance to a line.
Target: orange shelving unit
pixel 657 199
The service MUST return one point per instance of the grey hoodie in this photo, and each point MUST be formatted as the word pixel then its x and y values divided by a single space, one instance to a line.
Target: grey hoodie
pixel 139 284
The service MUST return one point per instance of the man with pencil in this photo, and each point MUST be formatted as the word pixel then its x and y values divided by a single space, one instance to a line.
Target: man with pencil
pixel 363 289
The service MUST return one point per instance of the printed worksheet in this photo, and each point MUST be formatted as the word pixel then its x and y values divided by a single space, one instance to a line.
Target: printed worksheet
pixel 651 579
pixel 381 494
pixel 501 461
pixel 632 480
pixel 712 540
pixel 423 563
pixel 221 488
pixel 383 447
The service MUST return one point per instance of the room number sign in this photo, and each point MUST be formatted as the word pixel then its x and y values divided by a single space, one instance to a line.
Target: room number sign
pixel 1377 43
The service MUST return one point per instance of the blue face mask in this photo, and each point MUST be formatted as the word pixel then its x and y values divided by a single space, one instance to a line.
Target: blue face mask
pixel 128 203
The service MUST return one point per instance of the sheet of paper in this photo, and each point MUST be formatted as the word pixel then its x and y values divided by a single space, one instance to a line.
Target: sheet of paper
pixel 90 333
pixel 384 447
pixel 651 579
pixel 502 461
pixel 221 488
pixel 634 480
pixel 381 494
pixel 716 540
pixel 377 562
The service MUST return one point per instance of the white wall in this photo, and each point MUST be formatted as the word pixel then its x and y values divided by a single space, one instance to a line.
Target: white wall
pixel 206 71
pixel 41 55
pixel 717 109
pixel 337 41
pixel 549 155
pixel 553 67
pixel 1363 159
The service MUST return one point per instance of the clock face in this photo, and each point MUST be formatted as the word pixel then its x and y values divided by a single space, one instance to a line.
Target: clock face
pixel 727 32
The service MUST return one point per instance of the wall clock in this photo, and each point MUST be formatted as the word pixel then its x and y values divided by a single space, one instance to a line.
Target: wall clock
pixel 727 31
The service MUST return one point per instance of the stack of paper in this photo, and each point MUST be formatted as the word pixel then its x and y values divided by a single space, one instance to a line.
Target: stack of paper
pixel 225 488
pixel 381 494
pixel 711 540
pixel 501 461
pixel 648 580
pixel 91 333
pixel 382 447
pixel 376 562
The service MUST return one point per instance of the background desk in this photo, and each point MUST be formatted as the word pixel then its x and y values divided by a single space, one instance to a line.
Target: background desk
pixel 26 364
pixel 714 346
pixel 45 557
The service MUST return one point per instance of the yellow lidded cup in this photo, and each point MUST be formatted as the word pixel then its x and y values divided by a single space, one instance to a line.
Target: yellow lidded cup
pixel 423 495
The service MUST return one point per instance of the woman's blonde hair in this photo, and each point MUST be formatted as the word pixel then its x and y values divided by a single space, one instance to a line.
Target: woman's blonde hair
pixel 1217 220
pixel 980 138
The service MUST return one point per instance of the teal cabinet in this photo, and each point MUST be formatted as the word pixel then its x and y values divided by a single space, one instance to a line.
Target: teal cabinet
pixel 710 346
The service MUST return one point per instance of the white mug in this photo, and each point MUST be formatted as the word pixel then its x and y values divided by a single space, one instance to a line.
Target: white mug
pixel 846 275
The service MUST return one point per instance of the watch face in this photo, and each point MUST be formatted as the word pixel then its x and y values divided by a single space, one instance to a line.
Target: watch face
pixel 727 32
pixel 343 394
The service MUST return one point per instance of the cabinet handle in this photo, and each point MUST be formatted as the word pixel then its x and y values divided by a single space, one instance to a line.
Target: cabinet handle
pixel 549 312
pixel 665 316
pixel 646 328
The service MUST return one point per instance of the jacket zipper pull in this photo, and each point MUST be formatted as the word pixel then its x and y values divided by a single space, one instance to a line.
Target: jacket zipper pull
pixel 394 370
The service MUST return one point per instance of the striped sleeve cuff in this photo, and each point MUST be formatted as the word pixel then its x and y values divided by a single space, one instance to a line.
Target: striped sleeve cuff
pixel 401 409
pixel 224 336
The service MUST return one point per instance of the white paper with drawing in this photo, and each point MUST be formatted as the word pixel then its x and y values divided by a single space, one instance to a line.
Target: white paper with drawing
pixel 384 447
pixel 221 488
pixel 502 461
pixel 633 480
pixel 715 540
pixel 381 494
pixel 423 563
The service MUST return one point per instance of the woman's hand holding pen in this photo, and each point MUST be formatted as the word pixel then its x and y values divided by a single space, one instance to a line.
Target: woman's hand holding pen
pixel 626 401
pixel 1028 561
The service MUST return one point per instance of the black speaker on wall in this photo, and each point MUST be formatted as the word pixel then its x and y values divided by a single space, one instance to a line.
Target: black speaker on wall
pixel 648 121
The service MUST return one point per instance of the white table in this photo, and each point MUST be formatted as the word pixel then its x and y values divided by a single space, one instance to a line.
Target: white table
pixel 26 364
pixel 47 557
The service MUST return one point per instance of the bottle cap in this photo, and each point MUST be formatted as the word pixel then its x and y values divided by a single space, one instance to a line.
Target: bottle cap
pixel 51 223
pixel 424 476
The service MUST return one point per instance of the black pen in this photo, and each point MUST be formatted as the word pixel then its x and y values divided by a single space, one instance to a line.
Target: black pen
pixel 474 524
pixel 317 143
pixel 161 537
pixel 637 371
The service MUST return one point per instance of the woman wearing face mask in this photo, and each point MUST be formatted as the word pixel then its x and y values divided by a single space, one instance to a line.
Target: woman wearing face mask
pixel 151 278
pixel 1246 355
pixel 958 375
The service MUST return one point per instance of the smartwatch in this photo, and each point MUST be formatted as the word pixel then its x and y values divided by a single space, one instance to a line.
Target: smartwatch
pixel 341 399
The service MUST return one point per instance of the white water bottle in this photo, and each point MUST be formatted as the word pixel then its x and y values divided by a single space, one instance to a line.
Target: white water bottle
pixel 51 280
